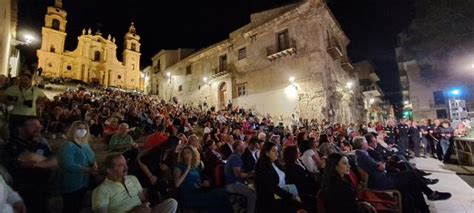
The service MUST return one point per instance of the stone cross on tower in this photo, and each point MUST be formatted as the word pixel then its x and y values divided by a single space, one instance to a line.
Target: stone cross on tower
pixel 58 3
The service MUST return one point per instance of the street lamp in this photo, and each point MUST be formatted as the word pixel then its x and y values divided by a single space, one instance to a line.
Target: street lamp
pixel 406 102
pixel 455 92
pixel 204 79
pixel 349 85
pixel 371 101
pixel 292 80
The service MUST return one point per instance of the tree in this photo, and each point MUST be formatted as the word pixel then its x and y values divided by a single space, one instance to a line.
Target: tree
pixel 441 32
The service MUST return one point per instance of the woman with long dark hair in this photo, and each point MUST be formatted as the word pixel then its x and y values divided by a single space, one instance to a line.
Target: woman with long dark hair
pixel 269 180
pixel 300 176
pixel 338 194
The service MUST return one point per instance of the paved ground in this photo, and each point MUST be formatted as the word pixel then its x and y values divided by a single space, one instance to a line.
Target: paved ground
pixel 462 200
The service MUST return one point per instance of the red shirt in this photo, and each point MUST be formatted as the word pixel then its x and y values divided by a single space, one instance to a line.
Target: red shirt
pixel 155 139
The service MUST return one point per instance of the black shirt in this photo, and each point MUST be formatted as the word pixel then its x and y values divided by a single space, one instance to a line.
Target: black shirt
pixel 403 130
pixel 27 176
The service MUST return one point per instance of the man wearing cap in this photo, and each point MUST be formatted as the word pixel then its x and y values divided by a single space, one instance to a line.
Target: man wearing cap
pixel 24 99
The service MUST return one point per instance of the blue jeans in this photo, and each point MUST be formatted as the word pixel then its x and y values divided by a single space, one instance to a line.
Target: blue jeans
pixel 444 145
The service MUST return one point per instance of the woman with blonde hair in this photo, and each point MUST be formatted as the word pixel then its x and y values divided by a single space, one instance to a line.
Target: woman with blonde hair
pixel 76 163
pixel 194 192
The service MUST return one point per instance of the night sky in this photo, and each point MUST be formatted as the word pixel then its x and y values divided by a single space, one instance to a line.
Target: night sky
pixel 372 25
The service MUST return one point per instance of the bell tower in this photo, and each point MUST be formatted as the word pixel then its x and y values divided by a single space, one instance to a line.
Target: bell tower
pixel 54 29
pixel 131 58
pixel 131 53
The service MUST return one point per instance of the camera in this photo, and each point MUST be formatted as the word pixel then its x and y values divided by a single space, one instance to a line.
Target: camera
pixel 28 103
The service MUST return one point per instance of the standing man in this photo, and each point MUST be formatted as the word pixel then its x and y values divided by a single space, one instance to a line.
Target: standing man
pixel 391 130
pixel 426 130
pixel 415 136
pixel 24 98
pixel 294 123
pixel 435 138
pixel 403 130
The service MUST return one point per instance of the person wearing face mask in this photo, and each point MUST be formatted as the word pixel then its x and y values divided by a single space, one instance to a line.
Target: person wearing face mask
pixel 76 164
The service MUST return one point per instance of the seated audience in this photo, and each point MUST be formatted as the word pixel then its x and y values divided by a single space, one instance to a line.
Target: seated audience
pixel 157 138
pixel 338 195
pixel 235 177
pixel 251 155
pixel 10 201
pixel 123 142
pixel 193 192
pixel 408 183
pixel 76 163
pixel 300 176
pixel 121 193
pixel 270 180
pixel 31 163
pixel 310 157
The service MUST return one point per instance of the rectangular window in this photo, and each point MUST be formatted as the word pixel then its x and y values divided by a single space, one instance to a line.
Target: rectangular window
pixel 242 89
pixel 180 88
pixel 157 67
pixel 283 40
pixel 441 113
pixel 438 97
pixel 242 53
pixel 188 70
pixel 222 63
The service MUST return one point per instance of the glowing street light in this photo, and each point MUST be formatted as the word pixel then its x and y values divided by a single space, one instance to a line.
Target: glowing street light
pixel 406 102
pixel 292 79
pixel 204 79
pixel 349 84
pixel 168 74
pixel 29 38
pixel 455 92
pixel 371 101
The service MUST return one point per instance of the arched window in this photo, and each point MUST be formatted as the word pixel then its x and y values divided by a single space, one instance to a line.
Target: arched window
pixel 55 24
pixel 52 49
pixel 96 56
pixel 134 47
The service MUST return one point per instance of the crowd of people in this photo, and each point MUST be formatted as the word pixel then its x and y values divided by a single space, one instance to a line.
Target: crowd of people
pixel 200 158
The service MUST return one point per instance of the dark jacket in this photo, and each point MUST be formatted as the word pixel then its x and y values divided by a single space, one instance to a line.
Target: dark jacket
pixel 340 198
pixel 249 161
pixel 226 151
pixel 266 185
pixel 302 178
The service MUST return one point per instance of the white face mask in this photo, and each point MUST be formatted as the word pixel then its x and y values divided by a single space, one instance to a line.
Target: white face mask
pixel 80 133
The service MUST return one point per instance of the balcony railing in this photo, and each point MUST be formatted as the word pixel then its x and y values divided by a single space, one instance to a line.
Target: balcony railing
pixel 346 64
pixel 372 90
pixel 334 49
pixel 275 51
pixel 219 72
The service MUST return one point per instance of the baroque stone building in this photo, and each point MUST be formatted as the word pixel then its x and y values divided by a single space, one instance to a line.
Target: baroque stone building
pixel 287 60
pixel 94 60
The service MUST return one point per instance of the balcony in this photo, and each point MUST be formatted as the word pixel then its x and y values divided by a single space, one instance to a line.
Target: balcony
pixel 346 64
pixel 219 72
pixel 372 91
pixel 334 49
pixel 275 51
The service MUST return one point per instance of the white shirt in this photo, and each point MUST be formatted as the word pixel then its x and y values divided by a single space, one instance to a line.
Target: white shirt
pixel 8 197
pixel 254 154
pixel 281 175
pixel 207 130
pixel 309 162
